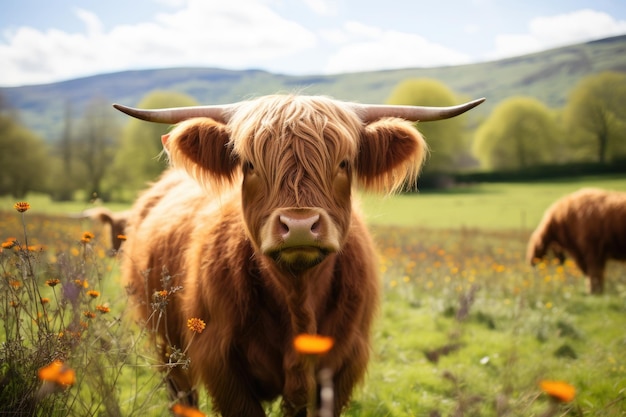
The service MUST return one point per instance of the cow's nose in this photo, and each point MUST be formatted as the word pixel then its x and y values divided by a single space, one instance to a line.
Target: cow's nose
pixel 299 229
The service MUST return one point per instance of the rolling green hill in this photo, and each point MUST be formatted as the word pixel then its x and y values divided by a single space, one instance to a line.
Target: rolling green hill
pixel 548 76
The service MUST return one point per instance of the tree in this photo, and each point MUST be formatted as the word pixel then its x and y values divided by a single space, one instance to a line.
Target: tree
pixel 444 138
pixel 520 132
pixel 22 157
pixel 595 117
pixel 95 147
pixel 136 161
pixel 65 167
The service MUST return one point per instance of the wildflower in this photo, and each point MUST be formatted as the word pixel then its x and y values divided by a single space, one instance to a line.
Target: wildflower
pixel 93 293
pixel 180 410
pixel 21 206
pixel 15 284
pixel 89 314
pixel 160 294
pixel 45 300
pixel 81 283
pixel 53 282
pixel 103 309
pixel 121 237
pixel 558 390
pixel 9 243
pixel 196 325
pixel 87 236
pixel 58 372
pixel 313 344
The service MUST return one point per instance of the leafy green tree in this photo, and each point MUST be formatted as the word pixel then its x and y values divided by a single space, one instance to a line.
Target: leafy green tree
pixel 595 117
pixel 445 138
pixel 520 132
pixel 137 159
pixel 23 158
pixel 96 145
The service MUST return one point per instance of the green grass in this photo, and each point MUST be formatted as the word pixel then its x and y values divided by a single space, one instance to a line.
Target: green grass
pixel 466 328
pixel 487 206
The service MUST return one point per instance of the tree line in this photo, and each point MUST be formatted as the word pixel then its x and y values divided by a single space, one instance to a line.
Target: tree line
pixel 97 155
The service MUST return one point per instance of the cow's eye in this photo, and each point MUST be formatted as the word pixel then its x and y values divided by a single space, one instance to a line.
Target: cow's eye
pixel 248 166
pixel 343 164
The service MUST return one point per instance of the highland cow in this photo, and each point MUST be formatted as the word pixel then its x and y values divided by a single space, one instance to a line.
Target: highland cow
pixel 589 225
pixel 116 222
pixel 255 231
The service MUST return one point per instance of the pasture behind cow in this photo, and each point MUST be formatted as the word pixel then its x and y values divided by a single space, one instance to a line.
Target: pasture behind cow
pixel 255 231
pixel 588 225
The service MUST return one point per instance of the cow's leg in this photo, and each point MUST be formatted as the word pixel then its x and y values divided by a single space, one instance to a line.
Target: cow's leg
pixel 180 388
pixel 233 393
pixel 595 280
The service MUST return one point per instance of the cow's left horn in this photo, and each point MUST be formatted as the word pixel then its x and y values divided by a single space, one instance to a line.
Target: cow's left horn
pixel 371 112
pixel 175 115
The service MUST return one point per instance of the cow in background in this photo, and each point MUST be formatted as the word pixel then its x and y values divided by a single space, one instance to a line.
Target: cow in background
pixel 116 222
pixel 255 231
pixel 589 225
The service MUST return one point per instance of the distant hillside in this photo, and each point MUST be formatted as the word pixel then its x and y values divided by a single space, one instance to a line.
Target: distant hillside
pixel 548 76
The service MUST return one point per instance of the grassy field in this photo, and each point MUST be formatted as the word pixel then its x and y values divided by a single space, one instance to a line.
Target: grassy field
pixel 465 328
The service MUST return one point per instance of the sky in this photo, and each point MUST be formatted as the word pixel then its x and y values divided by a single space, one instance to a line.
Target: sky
pixel 44 41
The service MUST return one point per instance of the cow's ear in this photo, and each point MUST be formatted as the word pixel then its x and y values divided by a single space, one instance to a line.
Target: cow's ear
pixel 202 147
pixel 391 154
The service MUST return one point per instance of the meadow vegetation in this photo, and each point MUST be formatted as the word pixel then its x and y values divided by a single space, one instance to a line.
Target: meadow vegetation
pixel 465 328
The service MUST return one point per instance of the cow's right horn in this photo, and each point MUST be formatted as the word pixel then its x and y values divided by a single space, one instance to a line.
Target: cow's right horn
pixel 372 112
pixel 220 113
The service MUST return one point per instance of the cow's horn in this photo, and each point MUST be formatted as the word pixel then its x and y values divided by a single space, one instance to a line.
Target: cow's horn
pixel 371 112
pixel 175 115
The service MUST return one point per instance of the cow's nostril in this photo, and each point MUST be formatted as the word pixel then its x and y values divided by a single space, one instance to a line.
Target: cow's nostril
pixel 283 226
pixel 315 228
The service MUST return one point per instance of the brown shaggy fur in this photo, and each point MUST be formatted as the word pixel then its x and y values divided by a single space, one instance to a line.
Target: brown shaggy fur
pixel 210 233
pixel 588 225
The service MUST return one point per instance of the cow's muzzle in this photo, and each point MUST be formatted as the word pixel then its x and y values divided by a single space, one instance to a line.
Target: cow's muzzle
pixel 299 238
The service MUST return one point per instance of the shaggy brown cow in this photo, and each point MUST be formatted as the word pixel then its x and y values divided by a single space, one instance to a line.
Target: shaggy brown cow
pixel 590 226
pixel 254 230
pixel 116 221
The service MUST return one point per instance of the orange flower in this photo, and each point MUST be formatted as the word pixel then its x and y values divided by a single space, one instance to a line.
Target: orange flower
pixel 81 283
pixel 9 242
pixel 21 206
pixel 121 237
pixel 558 390
pixel 180 410
pixel 103 309
pixel 313 344
pixel 93 293
pixel 58 373
pixel 45 300
pixel 89 314
pixel 160 294
pixel 53 282
pixel 196 325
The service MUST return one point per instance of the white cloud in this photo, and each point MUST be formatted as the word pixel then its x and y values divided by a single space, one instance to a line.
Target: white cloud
pixel 322 7
pixel 554 31
pixel 366 48
pixel 203 33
